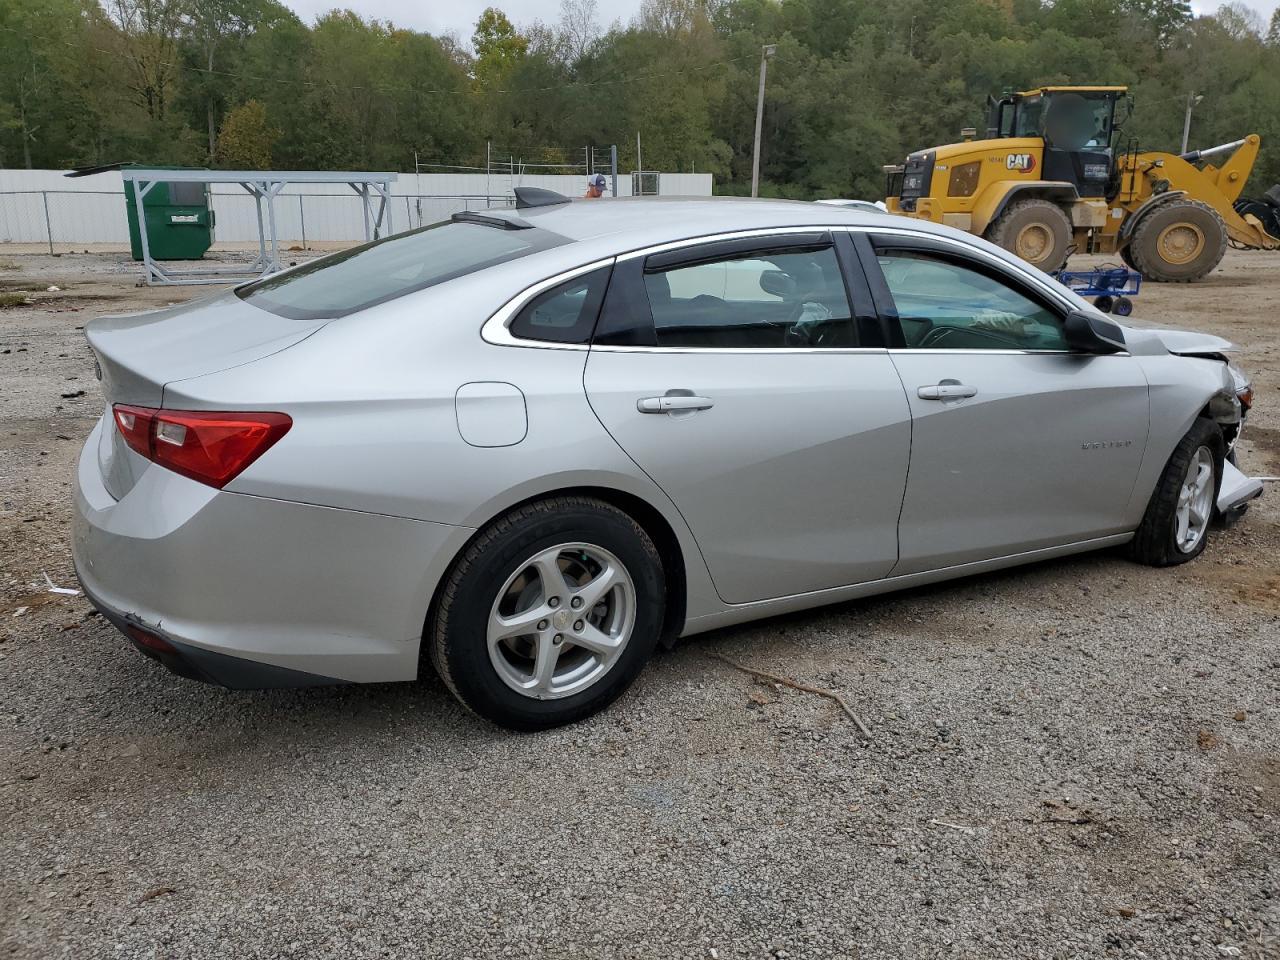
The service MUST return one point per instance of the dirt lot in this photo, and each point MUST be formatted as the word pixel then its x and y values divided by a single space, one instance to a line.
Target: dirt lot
pixel 1078 759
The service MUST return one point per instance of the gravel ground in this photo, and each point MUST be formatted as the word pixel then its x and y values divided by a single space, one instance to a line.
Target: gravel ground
pixel 1076 759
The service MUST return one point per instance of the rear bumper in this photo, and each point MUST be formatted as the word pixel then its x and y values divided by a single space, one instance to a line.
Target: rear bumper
pixel 206 666
pixel 251 591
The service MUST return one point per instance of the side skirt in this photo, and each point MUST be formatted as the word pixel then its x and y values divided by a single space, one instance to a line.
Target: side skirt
pixel 743 612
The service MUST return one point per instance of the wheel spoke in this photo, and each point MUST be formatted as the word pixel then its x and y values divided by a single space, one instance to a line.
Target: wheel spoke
pixel 518 624
pixel 544 664
pixel 553 582
pixel 594 590
pixel 1182 522
pixel 597 641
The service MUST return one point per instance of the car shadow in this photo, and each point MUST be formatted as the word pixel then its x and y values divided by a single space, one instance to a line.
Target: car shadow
pixel 212 720
pixel 978 586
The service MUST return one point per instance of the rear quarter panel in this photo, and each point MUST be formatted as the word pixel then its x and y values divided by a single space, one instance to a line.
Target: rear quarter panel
pixel 375 428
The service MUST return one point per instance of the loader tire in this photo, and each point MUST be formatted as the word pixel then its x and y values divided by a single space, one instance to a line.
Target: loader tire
pixel 1035 230
pixel 1179 242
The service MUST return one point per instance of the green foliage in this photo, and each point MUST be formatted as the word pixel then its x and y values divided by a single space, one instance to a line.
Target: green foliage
pixel 854 85
pixel 246 138
pixel 499 48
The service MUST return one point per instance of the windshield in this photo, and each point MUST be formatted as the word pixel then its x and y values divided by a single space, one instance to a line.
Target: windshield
pixel 374 273
pixel 1074 122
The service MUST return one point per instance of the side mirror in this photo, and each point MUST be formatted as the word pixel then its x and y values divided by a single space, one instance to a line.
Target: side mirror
pixel 1090 334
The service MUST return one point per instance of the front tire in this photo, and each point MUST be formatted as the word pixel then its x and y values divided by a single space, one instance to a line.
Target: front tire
pixel 1175 527
pixel 549 614
pixel 1036 230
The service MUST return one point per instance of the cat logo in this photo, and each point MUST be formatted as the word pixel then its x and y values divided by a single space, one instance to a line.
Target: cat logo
pixel 1026 162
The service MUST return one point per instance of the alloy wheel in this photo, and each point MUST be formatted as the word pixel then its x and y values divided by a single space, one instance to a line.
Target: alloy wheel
pixel 1195 502
pixel 561 620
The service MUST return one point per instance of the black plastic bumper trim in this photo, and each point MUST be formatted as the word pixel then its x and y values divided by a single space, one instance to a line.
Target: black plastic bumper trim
pixel 196 663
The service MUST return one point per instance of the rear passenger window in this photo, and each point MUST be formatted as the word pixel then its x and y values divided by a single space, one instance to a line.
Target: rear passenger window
pixel 792 298
pixel 564 314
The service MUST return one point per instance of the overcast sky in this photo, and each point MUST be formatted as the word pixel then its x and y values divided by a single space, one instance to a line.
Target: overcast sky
pixel 459 16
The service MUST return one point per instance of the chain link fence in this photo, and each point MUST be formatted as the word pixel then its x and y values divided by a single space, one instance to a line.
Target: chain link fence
pixel 65 221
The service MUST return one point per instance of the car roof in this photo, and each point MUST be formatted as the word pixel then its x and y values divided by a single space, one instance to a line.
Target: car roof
pixel 629 223
pixel 599 229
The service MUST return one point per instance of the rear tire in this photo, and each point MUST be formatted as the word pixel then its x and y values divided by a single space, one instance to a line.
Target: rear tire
pixel 1175 527
pixel 1179 242
pixel 1036 230
pixel 540 563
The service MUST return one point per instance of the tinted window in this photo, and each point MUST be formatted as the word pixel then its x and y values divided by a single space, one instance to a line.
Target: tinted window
pixel 945 304
pixel 764 300
pixel 563 314
pixel 354 279
pixel 1028 112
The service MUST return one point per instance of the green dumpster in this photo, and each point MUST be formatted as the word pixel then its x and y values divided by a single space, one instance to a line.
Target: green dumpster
pixel 179 220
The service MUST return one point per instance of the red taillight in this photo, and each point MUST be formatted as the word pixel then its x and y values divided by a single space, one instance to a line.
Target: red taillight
pixel 213 448
pixel 152 641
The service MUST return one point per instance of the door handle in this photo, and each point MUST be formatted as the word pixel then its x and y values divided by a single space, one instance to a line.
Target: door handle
pixel 674 403
pixel 946 390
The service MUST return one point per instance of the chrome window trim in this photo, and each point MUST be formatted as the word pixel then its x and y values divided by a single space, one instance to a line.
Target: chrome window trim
pixel 1045 286
pixel 908 351
pixel 496 330
pixel 754 351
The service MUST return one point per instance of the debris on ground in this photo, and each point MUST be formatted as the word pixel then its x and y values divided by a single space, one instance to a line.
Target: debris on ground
pixel 66 591
pixel 796 685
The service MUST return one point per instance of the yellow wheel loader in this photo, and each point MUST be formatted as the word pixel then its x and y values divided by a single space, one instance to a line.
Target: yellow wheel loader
pixel 1049 179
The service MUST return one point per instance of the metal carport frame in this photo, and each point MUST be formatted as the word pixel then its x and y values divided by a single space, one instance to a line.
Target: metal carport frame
pixel 373 189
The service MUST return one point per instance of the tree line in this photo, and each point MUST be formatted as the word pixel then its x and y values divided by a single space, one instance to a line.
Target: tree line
pixel 854 84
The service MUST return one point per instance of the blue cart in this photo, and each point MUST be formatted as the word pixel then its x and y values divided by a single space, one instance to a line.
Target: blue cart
pixel 1111 286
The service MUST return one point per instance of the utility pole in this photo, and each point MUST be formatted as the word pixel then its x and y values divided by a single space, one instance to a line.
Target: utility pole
pixel 1192 100
pixel 768 51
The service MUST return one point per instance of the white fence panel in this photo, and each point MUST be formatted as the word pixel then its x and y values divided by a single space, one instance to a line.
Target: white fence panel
pixel 91 210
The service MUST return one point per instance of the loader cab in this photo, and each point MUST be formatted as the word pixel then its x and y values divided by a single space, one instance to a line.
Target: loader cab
pixel 1077 126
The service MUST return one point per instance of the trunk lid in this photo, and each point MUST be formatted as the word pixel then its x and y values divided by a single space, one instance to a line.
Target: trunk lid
pixel 138 354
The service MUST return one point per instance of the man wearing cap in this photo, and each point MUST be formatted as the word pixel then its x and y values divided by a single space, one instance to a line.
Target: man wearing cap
pixel 595 186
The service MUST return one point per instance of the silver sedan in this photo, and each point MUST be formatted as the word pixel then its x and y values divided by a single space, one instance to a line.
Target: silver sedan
pixel 526 446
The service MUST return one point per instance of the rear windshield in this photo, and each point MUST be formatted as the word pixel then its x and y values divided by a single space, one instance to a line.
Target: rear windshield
pixel 364 276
